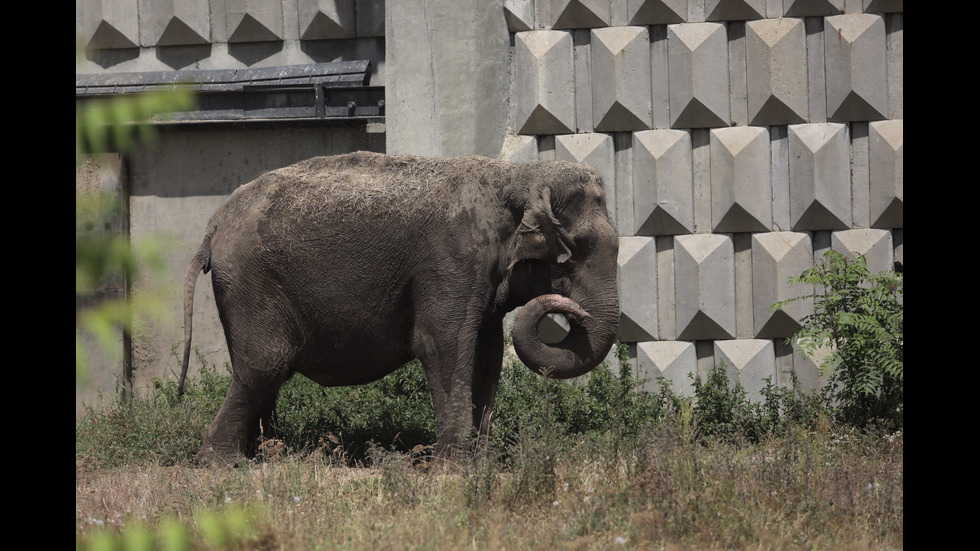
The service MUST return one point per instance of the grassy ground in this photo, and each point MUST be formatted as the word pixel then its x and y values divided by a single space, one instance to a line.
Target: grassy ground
pixel 816 487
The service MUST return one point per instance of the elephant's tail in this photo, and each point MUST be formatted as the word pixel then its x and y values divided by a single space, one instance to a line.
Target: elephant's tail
pixel 200 263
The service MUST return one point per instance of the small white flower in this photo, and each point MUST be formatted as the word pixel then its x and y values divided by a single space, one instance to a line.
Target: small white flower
pixel 620 540
pixel 554 503
pixel 227 499
pixel 585 499
pixel 296 499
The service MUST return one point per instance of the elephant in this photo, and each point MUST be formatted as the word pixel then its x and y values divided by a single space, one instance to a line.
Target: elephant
pixel 344 268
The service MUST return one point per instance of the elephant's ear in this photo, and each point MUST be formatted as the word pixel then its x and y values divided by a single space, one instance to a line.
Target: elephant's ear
pixel 540 235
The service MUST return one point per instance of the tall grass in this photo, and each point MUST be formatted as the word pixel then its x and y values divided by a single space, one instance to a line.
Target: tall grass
pixel 593 465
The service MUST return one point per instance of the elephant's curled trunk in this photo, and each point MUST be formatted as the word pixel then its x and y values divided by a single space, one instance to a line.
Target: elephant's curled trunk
pixel 591 336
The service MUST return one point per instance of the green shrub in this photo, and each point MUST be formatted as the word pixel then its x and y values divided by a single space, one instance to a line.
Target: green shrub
pixel 859 319
pixel 160 429
pixel 394 411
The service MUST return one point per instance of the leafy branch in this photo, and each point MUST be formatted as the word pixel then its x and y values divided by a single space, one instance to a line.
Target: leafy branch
pixel 859 319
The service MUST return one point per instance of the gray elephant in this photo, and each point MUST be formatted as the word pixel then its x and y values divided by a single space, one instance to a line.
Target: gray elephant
pixel 344 268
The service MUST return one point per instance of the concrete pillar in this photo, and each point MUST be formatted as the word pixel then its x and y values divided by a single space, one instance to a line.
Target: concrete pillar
pixel 447 87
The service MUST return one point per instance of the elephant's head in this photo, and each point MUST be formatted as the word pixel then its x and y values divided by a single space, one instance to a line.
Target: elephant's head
pixel 564 262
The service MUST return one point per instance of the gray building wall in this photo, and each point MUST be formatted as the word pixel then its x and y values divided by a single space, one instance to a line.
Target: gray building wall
pixel 739 140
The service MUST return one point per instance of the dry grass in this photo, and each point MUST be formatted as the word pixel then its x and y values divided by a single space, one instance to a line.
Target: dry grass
pixel 814 489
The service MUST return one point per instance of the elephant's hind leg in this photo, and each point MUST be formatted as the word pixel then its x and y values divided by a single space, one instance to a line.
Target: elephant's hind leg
pixel 246 413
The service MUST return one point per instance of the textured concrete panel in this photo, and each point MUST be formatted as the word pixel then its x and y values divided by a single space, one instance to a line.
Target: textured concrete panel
pixel 734 10
pixel 898 239
pixel 106 24
pixel 874 245
pixel 623 161
pixel 582 60
pixel 656 12
pixel 894 27
pixel 370 17
pixel 800 8
pixel 737 71
pixel 663 186
pixel 775 51
pixel 741 180
pixel 621 79
pixel 886 153
pixel 777 257
pixel 579 14
pixel 697 60
pixel 519 15
pixel 857 85
pixel 749 362
pixel 675 361
pixel 244 21
pixel 819 176
pixel 448 77
pixel 779 149
pixel 519 149
pixel 704 286
pixel 637 289
pixel 595 150
pixel 176 23
pixel 326 19
pixel 544 82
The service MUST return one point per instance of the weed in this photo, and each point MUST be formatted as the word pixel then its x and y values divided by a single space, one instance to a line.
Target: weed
pixel 859 320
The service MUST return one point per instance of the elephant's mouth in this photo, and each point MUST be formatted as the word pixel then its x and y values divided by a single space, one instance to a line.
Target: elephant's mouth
pixel 572 355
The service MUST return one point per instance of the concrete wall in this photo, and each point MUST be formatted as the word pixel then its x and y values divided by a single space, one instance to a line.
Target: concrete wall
pixel 739 140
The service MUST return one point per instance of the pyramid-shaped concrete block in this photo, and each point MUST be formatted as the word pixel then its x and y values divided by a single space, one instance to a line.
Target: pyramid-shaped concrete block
pixel 734 10
pixel 777 257
pixel 238 22
pixel 579 14
pixel 519 149
pixel 519 15
pixel 637 289
pixel 674 361
pixel 874 245
pixel 697 67
pixel 855 60
pixel 704 286
pixel 741 180
pixel 102 25
pixel 621 94
pixel 804 8
pixel 749 362
pixel 886 145
pixel 806 370
pixel 775 59
pixel 663 183
pixel 174 23
pixel 820 176
pixel 656 12
pixel 544 82
pixel 595 150
pixel 326 19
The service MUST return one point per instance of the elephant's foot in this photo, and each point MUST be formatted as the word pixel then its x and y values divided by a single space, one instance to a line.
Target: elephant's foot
pixel 208 456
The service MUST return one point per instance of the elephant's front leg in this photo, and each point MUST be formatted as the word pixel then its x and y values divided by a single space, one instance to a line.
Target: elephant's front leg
pixel 457 379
